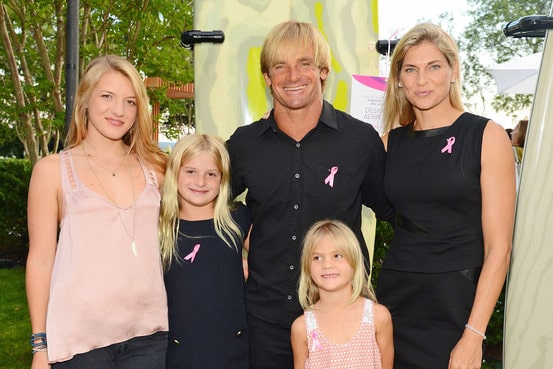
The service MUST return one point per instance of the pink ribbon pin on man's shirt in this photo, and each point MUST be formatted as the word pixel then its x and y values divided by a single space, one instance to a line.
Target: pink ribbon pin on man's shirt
pixel 330 179
pixel 192 255
pixel 449 146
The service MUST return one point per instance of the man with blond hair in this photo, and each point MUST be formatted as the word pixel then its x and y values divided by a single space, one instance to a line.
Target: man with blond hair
pixel 304 162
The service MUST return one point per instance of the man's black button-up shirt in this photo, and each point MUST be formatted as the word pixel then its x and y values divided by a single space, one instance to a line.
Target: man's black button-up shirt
pixel 330 173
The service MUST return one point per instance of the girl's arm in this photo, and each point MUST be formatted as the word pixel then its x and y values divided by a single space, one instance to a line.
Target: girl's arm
pixel 384 335
pixel 498 208
pixel 299 342
pixel 43 211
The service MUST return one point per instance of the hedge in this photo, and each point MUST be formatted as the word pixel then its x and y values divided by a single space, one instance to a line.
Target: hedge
pixel 14 184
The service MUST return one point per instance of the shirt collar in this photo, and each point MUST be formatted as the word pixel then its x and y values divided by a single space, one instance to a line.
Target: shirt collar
pixel 328 118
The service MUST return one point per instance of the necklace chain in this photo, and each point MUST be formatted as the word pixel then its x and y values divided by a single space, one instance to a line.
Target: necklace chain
pixel 114 171
pixel 131 235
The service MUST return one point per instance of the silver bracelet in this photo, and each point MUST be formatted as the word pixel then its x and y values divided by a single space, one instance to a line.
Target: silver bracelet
pixel 481 334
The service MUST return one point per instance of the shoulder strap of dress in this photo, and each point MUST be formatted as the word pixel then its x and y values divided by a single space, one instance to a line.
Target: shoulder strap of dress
pixel 149 174
pixel 312 331
pixel 67 174
pixel 368 311
pixel 310 321
pixel 474 118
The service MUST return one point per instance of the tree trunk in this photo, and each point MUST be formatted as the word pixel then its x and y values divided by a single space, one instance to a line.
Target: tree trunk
pixel 25 122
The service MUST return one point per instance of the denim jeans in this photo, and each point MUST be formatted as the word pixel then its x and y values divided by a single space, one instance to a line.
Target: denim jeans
pixel 146 352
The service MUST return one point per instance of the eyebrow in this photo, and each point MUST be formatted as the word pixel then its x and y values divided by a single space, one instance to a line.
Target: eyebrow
pixel 113 93
pixel 298 60
pixel 430 62
pixel 195 168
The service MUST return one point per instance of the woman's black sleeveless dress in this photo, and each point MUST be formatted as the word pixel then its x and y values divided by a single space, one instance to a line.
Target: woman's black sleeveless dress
pixel 428 278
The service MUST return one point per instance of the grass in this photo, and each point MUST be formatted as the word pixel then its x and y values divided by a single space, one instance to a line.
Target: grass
pixel 15 325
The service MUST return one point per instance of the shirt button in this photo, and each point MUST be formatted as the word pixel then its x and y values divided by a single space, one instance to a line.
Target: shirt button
pixel 297 175
pixel 296 207
pixel 238 334
pixel 176 342
pixel 294 238
pixel 291 267
pixel 298 144
pixel 289 297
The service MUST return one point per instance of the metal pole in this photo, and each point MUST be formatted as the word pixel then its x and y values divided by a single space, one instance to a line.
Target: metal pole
pixel 71 58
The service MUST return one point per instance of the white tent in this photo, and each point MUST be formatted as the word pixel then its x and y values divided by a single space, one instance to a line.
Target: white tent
pixel 518 75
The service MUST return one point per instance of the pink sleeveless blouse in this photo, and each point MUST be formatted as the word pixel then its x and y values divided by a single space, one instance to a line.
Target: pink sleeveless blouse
pixel 102 292
pixel 360 353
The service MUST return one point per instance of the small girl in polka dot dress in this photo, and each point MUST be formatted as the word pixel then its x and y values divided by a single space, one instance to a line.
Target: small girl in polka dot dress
pixel 342 325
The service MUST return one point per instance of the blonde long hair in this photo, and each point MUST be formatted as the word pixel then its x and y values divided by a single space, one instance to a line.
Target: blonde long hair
pixel 348 245
pixel 397 110
pixel 225 227
pixel 140 137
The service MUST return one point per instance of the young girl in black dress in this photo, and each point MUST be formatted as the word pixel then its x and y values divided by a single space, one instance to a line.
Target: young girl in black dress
pixel 202 236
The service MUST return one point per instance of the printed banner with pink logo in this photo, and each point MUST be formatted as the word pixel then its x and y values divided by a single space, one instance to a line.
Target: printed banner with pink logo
pixel 367 99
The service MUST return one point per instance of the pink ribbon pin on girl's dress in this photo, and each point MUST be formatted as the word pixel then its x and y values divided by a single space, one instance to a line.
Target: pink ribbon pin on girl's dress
pixel 449 146
pixel 315 340
pixel 192 255
pixel 330 179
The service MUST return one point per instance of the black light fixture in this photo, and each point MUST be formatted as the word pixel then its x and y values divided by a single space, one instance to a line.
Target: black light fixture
pixel 189 38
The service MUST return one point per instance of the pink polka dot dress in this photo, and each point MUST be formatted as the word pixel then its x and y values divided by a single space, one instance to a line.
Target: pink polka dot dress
pixel 361 352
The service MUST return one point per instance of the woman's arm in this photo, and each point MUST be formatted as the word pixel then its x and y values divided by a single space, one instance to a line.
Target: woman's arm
pixel 299 342
pixel 498 207
pixel 43 212
pixel 384 335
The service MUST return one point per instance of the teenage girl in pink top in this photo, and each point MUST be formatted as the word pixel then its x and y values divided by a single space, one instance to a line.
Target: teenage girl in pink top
pixel 94 277
pixel 342 326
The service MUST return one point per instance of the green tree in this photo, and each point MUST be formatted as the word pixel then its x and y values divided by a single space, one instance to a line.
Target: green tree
pixel 484 36
pixel 146 32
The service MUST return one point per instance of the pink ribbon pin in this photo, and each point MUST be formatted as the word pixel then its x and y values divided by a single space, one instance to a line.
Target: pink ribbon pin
pixel 449 146
pixel 330 179
pixel 192 255
pixel 316 344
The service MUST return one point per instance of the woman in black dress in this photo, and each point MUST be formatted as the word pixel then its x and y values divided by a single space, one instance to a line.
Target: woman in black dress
pixel 451 181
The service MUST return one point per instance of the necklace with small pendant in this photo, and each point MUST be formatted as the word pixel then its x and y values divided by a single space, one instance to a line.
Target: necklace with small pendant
pixel 131 235
pixel 114 171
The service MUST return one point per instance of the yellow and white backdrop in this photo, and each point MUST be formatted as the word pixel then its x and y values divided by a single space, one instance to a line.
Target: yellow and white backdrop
pixel 230 92
pixel 229 88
